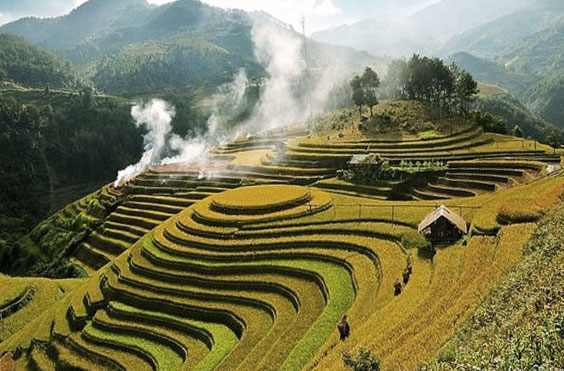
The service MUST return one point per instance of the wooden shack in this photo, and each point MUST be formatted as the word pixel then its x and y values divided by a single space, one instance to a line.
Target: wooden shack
pixel 443 226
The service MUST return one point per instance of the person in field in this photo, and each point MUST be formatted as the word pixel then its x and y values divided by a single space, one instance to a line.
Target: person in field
pixel 406 276
pixel 344 328
pixel 410 264
pixel 397 287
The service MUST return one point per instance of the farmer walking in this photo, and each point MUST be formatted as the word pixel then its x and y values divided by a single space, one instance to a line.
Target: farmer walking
pixel 344 328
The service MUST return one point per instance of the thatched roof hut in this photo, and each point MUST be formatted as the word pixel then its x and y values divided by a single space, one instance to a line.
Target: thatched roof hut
pixel 443 225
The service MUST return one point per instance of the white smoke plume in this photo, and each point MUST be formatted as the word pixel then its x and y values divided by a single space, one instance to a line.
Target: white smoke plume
pixel 225 106
pixel 280 51
pixel 288 96
pixel 156 116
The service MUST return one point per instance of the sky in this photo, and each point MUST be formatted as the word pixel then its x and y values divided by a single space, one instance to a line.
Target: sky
pixel 319 14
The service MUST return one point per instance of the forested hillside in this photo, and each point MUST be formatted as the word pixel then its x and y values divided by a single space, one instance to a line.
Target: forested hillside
pixel 525 56
pixel 503 35
pixel 132 48
pixel 57 141
pixel 492 72
pixel 91 19
pixel 28 65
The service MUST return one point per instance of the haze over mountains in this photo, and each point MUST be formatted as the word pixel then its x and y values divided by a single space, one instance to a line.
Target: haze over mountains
pixel 421 31
pixel 515 44
pixel 132 47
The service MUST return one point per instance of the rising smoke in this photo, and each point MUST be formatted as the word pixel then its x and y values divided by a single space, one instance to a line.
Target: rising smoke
pixel 156 116
pixel 288 96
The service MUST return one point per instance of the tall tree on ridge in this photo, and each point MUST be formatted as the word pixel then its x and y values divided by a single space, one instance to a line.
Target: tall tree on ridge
pixel 370 83
pixel 358 93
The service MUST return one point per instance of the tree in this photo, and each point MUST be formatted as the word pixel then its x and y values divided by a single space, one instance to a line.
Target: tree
pixel 394 85
pixel 517 132
pixel 358 95
pixel 466 90
pixel 554 139
pixel 362 361
pixel 429 80
pixel 87 97
pixel 370 83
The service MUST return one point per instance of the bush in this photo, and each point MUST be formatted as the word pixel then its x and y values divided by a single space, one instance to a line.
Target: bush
pixel 362 361
pixel 414 240
pixel 519 211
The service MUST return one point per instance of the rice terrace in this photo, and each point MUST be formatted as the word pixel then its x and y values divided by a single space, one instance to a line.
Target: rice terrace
pixel 390 222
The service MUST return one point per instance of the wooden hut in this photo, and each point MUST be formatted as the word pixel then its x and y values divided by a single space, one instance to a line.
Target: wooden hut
pixel 443 226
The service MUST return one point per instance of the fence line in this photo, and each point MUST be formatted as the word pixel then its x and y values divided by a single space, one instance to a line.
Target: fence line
pixel 394 209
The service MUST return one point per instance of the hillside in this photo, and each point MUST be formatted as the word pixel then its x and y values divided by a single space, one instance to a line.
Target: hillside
pixel 545 98
pixel 520 316
pixel 132 48
pixel 217 269
pixel 90 20
pixel 529 98
pixel 55 147
pixel 203 188
pixel 492 72
pixel 504 35
pixel 514 113
pixel 420 32
pixel 31 66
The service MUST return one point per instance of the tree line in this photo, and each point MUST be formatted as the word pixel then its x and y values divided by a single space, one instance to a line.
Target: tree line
pixel 31 66
pixel 447 88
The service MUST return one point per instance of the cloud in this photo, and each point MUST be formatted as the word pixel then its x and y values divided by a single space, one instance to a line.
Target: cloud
pixel 326 8
pixel 319 13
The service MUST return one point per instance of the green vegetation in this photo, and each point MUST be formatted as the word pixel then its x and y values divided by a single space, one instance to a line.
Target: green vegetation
pixel 44 293
pixel 132 48
pixel 449 89
pixel 506 112
pixel 251 263
pixel 363 361
pixel 30 66
pixel 365 90
pixel 52 142
pixel 518 326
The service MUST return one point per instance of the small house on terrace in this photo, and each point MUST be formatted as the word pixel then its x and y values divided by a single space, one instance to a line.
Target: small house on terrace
pixel 443 226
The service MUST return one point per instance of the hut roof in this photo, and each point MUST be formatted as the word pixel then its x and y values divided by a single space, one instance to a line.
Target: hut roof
pixel 446 213
pixel 370 159
pixel 358 159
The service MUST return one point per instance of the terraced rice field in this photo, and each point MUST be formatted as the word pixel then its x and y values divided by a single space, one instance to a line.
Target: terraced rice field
pixel 251 264
pixel 258 277
pixel 25 298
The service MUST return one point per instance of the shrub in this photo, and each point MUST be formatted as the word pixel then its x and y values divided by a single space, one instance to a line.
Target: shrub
pixel 414 240
pixel 519 211
pixel 362 361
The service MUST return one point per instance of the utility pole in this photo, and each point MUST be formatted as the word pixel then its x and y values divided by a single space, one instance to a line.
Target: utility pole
pixel 307 71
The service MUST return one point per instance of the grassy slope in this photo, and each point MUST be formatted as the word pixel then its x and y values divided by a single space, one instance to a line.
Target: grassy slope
pixel 47 293
pixel 519 324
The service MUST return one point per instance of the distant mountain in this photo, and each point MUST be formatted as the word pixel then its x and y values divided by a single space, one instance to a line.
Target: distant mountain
pixel 130 47
pixel 546 97
pixel 526 51
pixel 90 20
pixel 424 32
pixel 492 72
pixel 503 35
pixel 513 113
pixel 539 54
pixel 28 65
